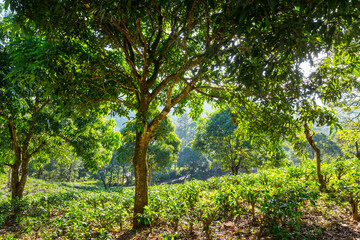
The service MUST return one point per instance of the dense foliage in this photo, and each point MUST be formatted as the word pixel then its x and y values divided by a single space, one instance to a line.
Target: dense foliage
pixel 67 66
pixel 35 125
pixel 141 56
pixel 276 199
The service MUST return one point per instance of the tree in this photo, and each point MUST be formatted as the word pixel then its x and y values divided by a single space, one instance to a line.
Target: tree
pixel 189 160
pixel 63 166
pixel 349 113
pixel 192 160
pixel 227 142
pixel 331 150
pixel 309 138
pixel 148 54
pixel 34 123
pixel 162 154
pixel 348 138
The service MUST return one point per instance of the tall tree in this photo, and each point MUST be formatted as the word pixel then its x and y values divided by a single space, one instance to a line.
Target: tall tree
pixel 168 54
pixel 34 123
pixel 192 161
pixel 228 142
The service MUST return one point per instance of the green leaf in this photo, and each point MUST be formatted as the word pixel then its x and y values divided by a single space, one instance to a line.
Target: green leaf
pixel 6 5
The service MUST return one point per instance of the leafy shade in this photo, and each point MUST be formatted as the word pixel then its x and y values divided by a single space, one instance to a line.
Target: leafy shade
pixel 34 124
pixel 231 144
pixel 163 147
pixel 144 55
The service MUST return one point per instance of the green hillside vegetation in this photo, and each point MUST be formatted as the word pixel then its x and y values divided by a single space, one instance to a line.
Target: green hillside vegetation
pixel 104 133
pixel 283 203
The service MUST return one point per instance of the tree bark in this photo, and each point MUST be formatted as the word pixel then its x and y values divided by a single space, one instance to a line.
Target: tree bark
pixel 234 171
pixel 355 210
pixel 118 175
pixel 235 166
pixel 357 150
pixel 111 175
pixel 19 179
pixel 103 178
pixel 39 173
pixel 123 176
pixel 141 183
pixel 310 140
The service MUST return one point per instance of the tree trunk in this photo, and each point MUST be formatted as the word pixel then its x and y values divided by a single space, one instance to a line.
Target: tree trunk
pixel 233 170
pixel 355 209
pixel 103 177
pixel 20 169
pixel 118 176
pixel 123 176
pixel 19 179
pixel 357 150
pixel 141 183
pixel 318 158
pixel 39 173
pixel 111 177
pixel 235 167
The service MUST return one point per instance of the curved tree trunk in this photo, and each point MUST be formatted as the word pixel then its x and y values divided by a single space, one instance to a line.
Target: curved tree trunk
pixel 141 176
pixel 310 140
pixel 19 174
pixel 102 174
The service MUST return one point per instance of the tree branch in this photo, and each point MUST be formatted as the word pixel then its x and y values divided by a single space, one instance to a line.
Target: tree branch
pixel 189 65
pixel 210 96
pixel 37 149
pixel 9 165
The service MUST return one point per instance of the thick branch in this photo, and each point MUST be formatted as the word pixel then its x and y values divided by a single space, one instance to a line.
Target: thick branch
pixel 9 165
pixel 127 78
pixel 211 96
pixel 157 120
pixel 123 29
pixel 194 62
pixel 15 141
pixel 310 139
pixel 37 149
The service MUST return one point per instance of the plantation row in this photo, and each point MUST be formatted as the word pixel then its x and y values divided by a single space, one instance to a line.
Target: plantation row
pixel 276 197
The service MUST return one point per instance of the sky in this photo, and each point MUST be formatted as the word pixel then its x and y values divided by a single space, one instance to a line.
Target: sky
pixel 1 3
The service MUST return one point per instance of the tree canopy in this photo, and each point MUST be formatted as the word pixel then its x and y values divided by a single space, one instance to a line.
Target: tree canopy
pixel 231 144
pixel 144 55
pixel 34 124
